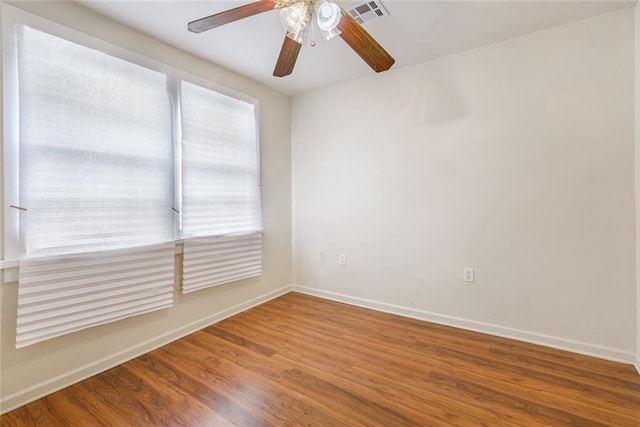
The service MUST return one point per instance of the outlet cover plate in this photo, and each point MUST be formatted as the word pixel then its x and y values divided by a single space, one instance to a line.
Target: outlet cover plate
pixel 468 274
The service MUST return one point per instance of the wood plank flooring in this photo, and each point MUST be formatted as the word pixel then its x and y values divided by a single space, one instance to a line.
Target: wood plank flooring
pixel 300 360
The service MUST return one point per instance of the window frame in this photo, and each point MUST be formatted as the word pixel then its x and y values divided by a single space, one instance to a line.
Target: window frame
pixel 12 19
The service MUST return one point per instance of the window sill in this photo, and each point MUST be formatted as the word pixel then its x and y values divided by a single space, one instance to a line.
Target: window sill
pixel 9 270
pixel 9 264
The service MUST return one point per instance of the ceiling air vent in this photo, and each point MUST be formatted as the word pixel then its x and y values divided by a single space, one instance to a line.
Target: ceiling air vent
pixel 368 11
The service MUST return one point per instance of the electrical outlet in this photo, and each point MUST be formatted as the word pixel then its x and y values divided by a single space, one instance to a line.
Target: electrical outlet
pixel 468 274
pixel 342 260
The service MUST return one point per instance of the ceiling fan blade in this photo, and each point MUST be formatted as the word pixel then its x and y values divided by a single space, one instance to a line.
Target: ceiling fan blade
pixel 363 44
pixel 287 58
pixel 231 15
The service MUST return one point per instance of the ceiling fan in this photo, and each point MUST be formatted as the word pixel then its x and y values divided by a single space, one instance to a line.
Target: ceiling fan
pixel 296 16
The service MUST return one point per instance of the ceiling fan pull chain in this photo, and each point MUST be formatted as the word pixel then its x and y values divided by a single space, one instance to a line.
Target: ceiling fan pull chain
pixel 312 43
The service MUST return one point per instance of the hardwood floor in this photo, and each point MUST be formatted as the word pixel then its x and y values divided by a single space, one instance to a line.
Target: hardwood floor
pixel 300 360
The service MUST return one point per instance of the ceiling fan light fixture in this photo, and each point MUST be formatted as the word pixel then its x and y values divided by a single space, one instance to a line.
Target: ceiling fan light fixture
pixel 295 19
pixel 298 36
pixel 327 16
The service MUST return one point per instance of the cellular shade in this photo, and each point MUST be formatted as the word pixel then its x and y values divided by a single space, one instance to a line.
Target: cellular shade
pixel 221 213
pixel 221 193
pixel 216 260
pixel 96 150
pixel 63 294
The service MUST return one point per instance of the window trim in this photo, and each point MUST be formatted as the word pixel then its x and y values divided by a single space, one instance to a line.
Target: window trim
pixel 12 19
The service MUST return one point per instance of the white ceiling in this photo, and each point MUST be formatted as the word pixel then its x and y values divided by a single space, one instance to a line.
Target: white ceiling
pixel 414 31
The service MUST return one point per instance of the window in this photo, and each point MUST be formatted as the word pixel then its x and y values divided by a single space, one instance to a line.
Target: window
pixel 109 160
pixel 95 149
pixel 219 164
pixel 99 156
pixel 220 196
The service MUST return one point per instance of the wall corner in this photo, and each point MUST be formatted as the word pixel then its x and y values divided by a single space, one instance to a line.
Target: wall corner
pixel 637 174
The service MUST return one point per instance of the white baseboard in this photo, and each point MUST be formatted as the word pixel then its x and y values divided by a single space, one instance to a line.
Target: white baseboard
pixel 22 397
pixel 487 328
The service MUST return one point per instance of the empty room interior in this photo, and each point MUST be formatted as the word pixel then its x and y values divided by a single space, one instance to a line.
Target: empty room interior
pixel 306 212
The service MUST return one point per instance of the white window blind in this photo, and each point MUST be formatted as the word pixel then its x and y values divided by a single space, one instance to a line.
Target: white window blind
pixel 96 149
pixel 63 294
pixel 221 193
pixel 220 179
pixel 95 173
pixel 215 260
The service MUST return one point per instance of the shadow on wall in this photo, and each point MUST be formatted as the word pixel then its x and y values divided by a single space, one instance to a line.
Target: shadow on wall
pixel 436 100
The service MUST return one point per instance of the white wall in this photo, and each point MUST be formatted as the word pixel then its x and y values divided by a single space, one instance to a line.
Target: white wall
pixel 39 369
pixel 515 159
